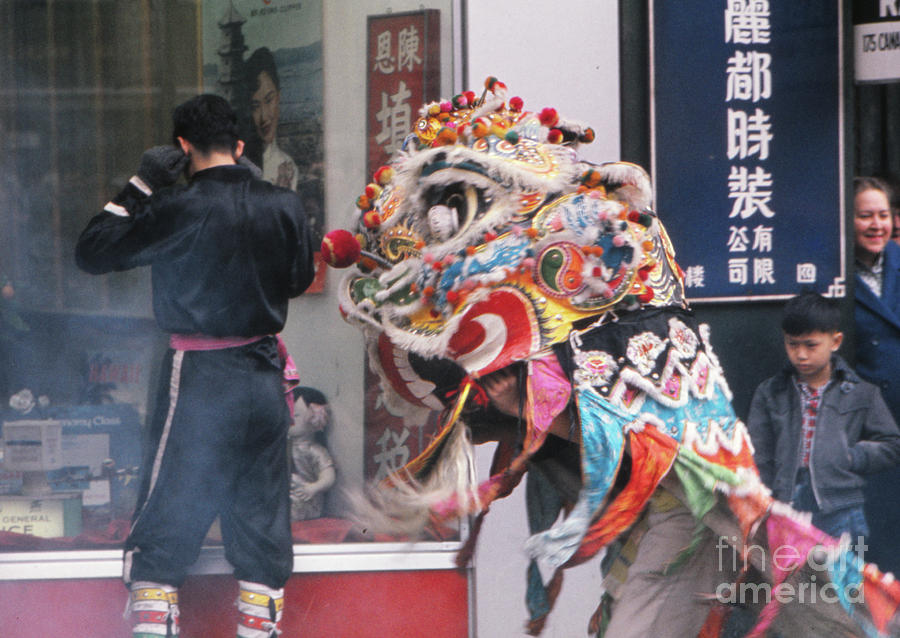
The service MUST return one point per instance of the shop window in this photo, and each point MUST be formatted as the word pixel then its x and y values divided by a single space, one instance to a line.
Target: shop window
pixel 88 85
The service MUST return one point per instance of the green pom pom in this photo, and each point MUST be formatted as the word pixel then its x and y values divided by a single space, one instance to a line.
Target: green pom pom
pixel 512 137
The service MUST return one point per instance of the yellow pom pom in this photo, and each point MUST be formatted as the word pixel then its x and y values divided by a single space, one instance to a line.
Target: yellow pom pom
pixel 384 175
pixel 373 190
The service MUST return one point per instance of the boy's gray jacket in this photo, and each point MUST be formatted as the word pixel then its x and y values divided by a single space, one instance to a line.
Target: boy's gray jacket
pixel 855 435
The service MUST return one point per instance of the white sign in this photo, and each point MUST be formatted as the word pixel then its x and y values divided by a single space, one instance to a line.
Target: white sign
pixel 876 40
pixel 49 517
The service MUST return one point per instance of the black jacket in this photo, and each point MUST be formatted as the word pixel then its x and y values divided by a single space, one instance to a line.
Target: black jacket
pixel 227 251
pixel 855 435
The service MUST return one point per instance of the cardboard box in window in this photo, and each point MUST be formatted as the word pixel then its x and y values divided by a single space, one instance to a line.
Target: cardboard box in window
pixel 94 434
pixel 105 439
pixel 97 454
pixel 32 445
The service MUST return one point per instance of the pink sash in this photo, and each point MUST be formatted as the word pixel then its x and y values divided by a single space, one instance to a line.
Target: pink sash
pixel 198 342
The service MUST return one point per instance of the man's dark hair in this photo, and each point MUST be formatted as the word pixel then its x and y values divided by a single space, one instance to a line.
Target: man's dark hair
pixel 810 312
pixel 206 121
pixel 261 61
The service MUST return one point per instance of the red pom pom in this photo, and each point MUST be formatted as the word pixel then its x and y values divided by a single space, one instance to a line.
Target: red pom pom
pixel 646 296
pixel 555 136
pixel 470 97
pixel 340 248
pixel 548 117
pixel 516 103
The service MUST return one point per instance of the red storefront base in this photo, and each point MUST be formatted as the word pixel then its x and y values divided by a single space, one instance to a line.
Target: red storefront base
pixel 395 604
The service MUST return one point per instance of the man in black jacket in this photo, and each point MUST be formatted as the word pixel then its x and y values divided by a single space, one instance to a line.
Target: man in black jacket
pixel 227 251
pixel 817 428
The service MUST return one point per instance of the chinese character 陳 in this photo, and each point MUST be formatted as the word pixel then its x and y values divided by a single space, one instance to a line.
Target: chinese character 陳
pixel 751 192
pixel 749 76
pixel 748 134
pixel 747 22
pixel 408 49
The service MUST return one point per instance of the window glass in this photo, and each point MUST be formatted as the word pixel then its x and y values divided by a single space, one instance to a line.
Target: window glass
pixel 90 84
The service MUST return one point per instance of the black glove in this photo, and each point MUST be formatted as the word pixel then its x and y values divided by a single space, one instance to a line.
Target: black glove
pixel 255 170
pixel 161 166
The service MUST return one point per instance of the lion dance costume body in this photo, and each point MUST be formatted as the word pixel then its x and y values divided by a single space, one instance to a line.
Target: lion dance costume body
pixel 487 244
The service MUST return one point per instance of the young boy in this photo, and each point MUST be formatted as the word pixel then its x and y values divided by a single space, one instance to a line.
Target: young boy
pixel 816 427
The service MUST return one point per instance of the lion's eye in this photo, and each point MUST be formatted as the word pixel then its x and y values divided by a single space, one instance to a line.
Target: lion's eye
pixel 455 200
pixel 452 209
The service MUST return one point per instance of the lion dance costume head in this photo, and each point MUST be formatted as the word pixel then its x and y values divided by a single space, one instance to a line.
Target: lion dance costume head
pixel 488 244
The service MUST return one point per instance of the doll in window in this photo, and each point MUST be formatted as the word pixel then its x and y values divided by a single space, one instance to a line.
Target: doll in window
pixel 312 467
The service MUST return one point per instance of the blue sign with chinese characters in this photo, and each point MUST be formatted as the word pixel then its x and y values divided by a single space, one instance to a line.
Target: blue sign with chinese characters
pixel 747 145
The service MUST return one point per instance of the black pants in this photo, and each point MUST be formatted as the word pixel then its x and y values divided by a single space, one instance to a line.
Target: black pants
pixel 217 446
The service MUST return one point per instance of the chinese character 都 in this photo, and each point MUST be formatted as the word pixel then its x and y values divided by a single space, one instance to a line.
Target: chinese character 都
pixel 751 192
pixel 748 134
pixel 749 76
pixel 747 22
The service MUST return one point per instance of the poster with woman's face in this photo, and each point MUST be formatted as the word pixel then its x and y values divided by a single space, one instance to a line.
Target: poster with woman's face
pixel 265 57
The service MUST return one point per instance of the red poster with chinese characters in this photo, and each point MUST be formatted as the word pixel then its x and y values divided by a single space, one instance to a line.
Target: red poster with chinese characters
pixel 404 73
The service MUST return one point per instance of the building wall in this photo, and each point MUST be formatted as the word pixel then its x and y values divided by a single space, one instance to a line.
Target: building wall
pixel 564 56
